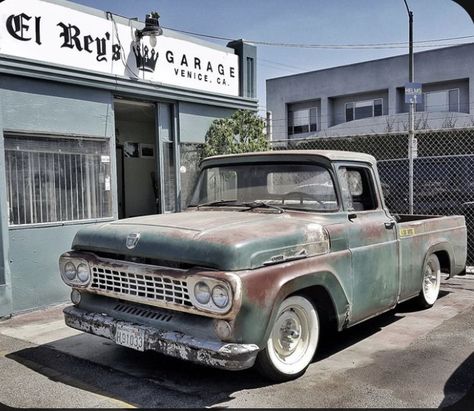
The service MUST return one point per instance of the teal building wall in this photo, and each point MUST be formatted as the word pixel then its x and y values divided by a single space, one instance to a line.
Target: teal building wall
pixel 47 108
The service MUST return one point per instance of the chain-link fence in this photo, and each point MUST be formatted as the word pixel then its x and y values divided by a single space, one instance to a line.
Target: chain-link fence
pixel 443 170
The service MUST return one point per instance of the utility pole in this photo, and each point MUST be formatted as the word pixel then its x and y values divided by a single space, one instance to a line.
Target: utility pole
pixel 411 114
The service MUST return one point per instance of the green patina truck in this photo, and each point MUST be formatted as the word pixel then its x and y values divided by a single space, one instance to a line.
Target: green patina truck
pixel 274 250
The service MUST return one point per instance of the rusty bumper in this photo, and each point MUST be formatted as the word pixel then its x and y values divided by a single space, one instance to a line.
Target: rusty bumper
pixel 228 356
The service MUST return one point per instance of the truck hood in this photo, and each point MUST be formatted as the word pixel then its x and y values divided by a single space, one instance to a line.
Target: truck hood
pixel 224 240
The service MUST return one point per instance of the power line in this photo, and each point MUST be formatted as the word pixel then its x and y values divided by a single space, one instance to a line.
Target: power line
pixel 401 44
pixel 281 66
pixel 199 34
pixel 352 46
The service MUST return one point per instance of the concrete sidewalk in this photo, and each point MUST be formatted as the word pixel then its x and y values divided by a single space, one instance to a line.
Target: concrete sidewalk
pixel 28 384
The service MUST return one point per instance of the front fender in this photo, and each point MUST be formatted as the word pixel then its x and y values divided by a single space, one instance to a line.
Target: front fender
pixel 327 280
pixel 264 289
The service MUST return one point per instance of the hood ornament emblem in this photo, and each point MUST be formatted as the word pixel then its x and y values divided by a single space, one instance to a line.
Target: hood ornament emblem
pixel 132 240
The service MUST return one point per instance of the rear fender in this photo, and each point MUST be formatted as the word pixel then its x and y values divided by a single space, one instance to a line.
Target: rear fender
pixel 441 246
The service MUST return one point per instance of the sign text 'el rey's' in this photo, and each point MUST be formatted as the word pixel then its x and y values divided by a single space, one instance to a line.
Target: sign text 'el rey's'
pixel 23 27
pixel 19 27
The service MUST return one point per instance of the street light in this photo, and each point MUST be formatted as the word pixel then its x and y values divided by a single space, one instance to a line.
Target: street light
pixel 411 114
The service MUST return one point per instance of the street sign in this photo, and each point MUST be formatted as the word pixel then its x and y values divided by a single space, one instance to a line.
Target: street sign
pixel 413 93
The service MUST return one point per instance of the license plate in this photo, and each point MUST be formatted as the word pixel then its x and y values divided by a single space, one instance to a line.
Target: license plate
pixel 131 337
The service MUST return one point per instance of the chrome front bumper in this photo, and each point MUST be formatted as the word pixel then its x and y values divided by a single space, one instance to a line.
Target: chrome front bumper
pixel 228 356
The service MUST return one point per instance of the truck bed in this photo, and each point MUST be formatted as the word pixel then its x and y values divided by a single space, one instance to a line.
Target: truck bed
pixel 404 218
pixel 421 235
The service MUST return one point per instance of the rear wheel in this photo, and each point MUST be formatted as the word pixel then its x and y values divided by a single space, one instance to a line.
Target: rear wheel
pixel 431 282
pixel 293 340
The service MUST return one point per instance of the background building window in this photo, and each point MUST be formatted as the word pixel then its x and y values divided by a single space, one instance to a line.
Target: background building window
pixel 303 121
pixel 57 179
pixel 364 109
pixel 442 100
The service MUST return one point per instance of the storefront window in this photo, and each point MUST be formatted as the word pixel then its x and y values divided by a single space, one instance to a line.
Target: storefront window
pixel 57 179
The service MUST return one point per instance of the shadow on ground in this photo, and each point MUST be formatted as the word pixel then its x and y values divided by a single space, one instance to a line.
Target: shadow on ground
pixel 335 342
pixel 460 384
pixel 411 306
pixel 153 380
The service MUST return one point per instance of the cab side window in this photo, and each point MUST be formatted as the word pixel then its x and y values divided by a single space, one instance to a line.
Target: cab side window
pixel 357 188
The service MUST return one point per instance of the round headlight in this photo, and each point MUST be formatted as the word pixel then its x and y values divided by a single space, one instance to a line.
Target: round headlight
pixel 83 272
pixel 70 271
pixel 220 296
pixel 202 292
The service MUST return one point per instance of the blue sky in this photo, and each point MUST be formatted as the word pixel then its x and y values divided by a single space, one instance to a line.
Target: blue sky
pixel 304 21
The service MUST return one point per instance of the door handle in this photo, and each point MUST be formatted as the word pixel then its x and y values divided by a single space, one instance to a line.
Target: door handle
pixel 389 225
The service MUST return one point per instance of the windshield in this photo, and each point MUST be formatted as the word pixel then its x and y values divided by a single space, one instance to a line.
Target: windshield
pixel 292 186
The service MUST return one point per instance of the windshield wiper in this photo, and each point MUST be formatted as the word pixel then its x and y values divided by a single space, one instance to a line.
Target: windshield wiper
pixel 258 204
pixel 249 205
pixel 215 203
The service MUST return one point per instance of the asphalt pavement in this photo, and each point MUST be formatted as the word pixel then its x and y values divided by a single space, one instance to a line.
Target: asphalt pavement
pixel 404 358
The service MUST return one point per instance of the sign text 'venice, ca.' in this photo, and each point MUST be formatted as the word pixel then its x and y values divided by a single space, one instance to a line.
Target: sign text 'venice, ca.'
pixel 89 42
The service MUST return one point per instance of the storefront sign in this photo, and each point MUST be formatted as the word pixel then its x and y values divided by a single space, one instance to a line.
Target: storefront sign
pixel 50 33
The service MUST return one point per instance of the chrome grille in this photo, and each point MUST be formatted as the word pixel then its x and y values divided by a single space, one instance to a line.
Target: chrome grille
pixel 151 287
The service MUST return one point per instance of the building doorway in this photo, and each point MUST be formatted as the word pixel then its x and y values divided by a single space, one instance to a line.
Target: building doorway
pixel 137 183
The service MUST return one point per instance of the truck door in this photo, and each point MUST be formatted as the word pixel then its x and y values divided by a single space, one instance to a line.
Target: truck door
pixel 372 241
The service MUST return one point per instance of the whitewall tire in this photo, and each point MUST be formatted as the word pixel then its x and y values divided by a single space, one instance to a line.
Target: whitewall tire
pixel 292 342
pixel 431 282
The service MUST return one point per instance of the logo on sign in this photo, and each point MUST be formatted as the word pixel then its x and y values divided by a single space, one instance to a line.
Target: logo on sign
pixel 146 59
pixel 132 240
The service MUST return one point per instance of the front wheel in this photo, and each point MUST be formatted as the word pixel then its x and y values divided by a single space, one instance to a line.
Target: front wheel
pixel 431 282
pixel 293 340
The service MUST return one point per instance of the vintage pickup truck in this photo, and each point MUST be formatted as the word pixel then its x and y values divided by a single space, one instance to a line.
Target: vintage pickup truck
pixel 274 250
